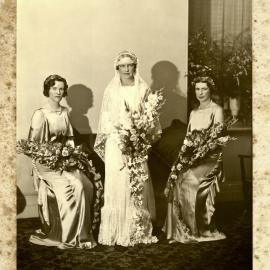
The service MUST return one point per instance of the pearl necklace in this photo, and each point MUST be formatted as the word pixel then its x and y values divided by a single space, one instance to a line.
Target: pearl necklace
pixel 58 110
pixel 206 107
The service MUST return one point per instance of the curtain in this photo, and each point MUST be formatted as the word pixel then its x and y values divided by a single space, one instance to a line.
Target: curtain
pixel 220 18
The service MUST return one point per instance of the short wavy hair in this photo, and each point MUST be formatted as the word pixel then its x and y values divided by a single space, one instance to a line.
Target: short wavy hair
pixel 205 79
pixel 50 81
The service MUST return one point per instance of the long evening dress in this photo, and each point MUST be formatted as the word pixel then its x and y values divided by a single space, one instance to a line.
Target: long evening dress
pixel 190 213
pixel 64 200
pixel 117 221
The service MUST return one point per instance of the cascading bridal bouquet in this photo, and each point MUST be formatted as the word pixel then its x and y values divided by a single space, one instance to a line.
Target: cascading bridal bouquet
pixel 61 157
pixel 197 145
pixel 136 139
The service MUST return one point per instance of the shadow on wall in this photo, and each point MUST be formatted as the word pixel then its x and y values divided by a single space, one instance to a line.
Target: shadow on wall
pixel 161 158
pixel 166 75
pixel 80 100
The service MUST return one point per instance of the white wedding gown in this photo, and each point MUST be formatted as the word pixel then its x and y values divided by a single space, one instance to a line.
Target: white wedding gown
pixel 117 215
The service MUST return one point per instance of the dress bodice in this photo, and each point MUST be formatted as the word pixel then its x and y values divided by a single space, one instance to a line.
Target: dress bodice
pixel 130 95
pixel 202 118
pixel 54 125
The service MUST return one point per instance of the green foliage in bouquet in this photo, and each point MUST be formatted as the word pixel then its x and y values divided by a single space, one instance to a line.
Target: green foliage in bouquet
pixel 198 145
pixel 55 155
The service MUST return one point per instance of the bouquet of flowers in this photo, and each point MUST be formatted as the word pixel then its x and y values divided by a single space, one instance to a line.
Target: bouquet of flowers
pixel 55 155
pixel 198 145
pixel 136 137
pixel 63 157
pixel 138 132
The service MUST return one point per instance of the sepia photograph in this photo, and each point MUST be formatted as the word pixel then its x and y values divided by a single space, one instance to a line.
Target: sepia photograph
pixel 134 134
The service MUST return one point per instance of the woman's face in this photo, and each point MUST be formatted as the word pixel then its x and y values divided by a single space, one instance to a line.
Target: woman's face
pixel 126 68
pixel 202 92
pixel 56 91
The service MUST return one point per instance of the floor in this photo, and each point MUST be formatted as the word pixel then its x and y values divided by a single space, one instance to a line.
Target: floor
pixel 235 252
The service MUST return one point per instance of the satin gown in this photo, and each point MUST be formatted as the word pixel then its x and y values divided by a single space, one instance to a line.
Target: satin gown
pixel 190 213
pixel 117 213
pixel 64 200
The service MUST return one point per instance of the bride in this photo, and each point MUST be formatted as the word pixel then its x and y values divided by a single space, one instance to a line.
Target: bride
pixel 117 215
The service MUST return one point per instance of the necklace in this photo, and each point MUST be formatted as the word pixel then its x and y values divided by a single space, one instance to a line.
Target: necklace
pixel 206 107
pixel 54 110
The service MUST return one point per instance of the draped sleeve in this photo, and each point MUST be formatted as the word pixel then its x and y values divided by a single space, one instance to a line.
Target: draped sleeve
pixel 189 122
pixel 39 129
pixel 69 130
pixel 218 115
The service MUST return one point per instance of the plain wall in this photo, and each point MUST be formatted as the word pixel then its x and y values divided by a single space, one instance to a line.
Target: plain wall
pixel 80 40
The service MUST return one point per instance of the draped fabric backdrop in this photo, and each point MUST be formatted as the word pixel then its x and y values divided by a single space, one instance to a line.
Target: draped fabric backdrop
pixel 220 18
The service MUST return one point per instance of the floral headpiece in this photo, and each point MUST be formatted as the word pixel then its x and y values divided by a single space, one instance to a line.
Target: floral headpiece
pixel 204 79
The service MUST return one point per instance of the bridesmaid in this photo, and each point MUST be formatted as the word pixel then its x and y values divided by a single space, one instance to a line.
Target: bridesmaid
pixel 190 211
pixel 64 200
